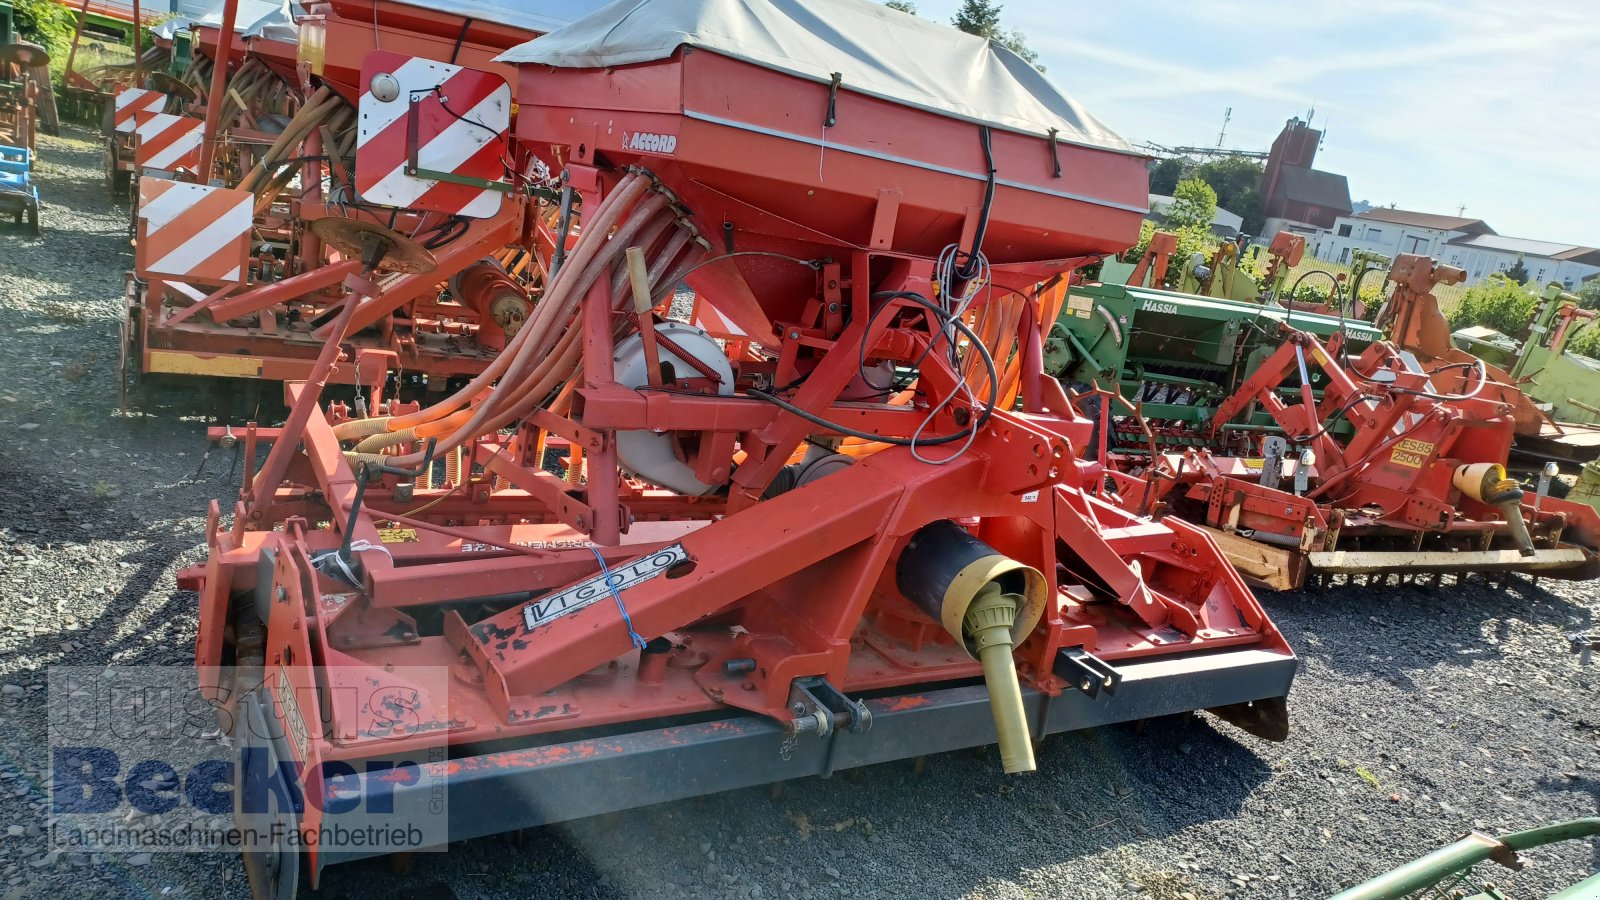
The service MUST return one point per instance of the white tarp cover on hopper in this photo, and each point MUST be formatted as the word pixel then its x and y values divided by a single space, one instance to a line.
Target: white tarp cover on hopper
pixel 534 15
pixel 876 50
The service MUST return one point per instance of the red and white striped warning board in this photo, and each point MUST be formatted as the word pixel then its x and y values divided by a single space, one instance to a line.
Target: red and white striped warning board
pixel 132 105
pixel 455 118
pixel 193 232
pixel 167 142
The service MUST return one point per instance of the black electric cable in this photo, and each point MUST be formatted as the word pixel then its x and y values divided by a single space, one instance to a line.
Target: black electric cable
pixel 505 145
pixel 1333 420
pixel 968 268
pixel 447 233
pixel 945 319
pixel 861 349
pixel 1288 305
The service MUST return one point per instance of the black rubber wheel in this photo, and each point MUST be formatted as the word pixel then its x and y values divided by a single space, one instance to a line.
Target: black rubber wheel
pixel 33 219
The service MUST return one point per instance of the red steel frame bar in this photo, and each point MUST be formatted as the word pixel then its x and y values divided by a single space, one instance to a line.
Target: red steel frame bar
pixel 77 35
pixel 219 81
pixel 138 66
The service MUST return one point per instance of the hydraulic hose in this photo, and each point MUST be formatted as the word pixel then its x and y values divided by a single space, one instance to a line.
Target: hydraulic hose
pixel 548 314
pixel 545 352
pixel 629 190
pixel 514 399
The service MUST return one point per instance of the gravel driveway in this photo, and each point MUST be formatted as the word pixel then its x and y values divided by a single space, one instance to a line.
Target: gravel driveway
pixel 1417 715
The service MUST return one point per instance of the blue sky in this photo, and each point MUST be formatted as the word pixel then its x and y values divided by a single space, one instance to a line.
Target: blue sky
pixel 1428 104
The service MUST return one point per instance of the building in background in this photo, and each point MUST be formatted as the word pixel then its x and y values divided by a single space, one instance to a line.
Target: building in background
pixel 1392 231
pixel 1455 241
pixel 1295 196
pixel 1484 254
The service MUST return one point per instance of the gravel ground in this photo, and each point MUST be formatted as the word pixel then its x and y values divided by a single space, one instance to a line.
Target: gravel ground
pixel 1417 714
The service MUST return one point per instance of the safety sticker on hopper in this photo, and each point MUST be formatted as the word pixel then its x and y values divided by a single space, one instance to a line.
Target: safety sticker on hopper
pixel 1413 453
pixel 545 610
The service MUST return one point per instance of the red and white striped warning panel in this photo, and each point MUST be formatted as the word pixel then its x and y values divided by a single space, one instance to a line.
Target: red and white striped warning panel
pixel 167 142
pixel 193 232
pixel 132 105
pixel 455 118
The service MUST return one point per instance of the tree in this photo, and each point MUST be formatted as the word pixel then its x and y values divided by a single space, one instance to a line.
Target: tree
pixel 978 17
pixel 904 6
pixel 46 23
pixel 1166 173
pixel 1518 271
pixel 1237 181
pixel 1194 204
pixel 982 18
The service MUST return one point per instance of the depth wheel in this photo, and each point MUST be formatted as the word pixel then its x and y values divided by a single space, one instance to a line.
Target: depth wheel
pixel 108 164
pixel 129 377
pixel 117 180
pixel 130 192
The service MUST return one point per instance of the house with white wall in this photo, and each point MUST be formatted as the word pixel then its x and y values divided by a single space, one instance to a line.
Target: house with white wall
pixel 1484 254
pixel 1391 232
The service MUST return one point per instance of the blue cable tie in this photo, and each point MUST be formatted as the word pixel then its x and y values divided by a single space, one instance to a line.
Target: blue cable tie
pixel 605 572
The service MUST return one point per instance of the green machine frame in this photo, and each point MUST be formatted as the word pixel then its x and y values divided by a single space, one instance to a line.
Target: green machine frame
pixel 1176 355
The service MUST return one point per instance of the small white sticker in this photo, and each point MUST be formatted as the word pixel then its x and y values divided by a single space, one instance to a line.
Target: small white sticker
pixel 545 610
pixel 1030 497
pixel 293 721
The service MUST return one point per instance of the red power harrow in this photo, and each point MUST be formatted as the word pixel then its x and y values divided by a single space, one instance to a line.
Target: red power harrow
pixel 1419 490
pixel 818 538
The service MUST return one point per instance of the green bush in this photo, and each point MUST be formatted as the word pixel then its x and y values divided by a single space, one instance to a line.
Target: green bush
pixel 1312 290
pixel 1589 294
pixel 1586 342
pixel 1498 303
pixel 1191 240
